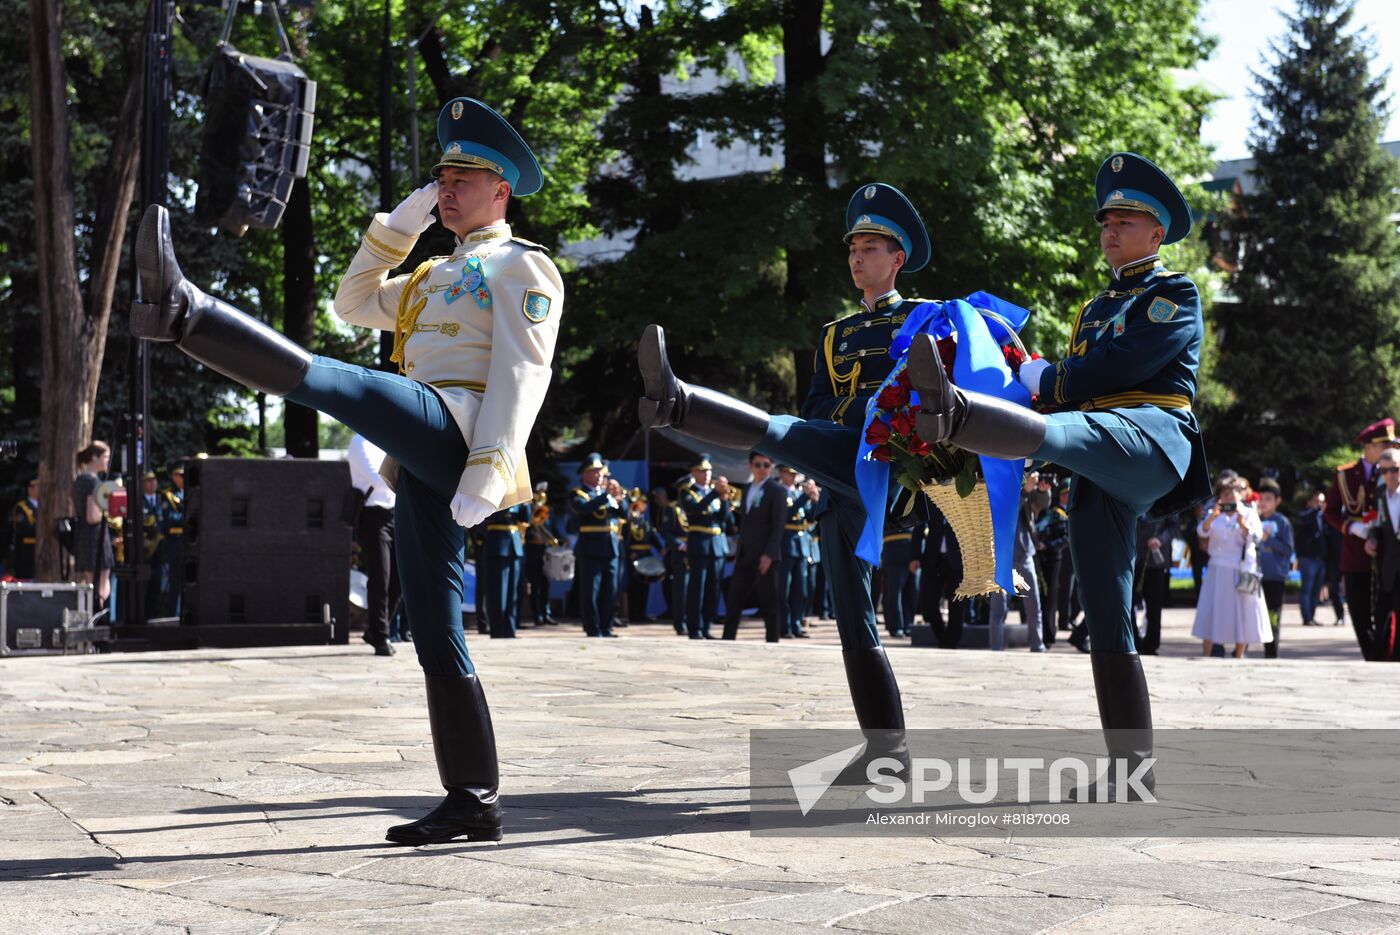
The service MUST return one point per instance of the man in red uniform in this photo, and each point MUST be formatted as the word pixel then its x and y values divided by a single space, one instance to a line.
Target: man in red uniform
pixel 1353 496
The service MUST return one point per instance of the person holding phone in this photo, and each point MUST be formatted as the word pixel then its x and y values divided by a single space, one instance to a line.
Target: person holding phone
pixel 1224 613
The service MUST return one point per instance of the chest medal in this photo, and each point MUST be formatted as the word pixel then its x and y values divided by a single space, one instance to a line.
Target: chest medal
pixel 471 281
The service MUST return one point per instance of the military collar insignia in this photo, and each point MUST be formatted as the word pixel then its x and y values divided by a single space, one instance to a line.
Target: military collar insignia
pixel 1138 267
pixel 482 235
pixel 885 301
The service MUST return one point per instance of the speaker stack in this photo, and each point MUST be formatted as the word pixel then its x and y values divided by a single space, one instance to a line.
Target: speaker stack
pixel 267 557
pixel 257 139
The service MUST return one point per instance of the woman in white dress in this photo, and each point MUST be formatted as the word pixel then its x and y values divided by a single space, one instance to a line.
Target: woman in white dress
pixel 1223 613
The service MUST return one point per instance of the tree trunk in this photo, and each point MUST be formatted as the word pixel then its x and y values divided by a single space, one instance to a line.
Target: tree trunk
pixel 804 150
pixel 299 309
pixel 72 335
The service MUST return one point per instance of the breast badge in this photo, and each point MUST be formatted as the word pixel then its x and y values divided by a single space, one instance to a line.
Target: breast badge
pixel 472 280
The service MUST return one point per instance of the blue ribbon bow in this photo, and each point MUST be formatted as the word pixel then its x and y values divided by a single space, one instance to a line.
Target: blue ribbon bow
pixel 981 324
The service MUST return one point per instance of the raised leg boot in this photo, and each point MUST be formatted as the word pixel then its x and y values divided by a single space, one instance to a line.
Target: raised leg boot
pixel 1125 711
pixel 973 421
pixel 208 329
pixel 697 411
pixel 879 711
pixel 464 743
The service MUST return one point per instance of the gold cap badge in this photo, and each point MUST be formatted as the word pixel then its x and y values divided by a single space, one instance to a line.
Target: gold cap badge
pixel 458 107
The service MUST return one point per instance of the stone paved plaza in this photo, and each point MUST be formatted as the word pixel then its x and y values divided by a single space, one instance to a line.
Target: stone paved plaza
pixel 247 791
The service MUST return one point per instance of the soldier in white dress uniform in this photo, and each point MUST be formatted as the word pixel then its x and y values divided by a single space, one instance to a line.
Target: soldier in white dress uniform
pixel 474 341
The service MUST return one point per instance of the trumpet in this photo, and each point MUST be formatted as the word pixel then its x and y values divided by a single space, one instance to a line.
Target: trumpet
pixel 539 519
pixel 635 494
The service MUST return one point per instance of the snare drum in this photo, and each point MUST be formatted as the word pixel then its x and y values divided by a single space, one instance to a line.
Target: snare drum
pixel 559 563
pixel 649 568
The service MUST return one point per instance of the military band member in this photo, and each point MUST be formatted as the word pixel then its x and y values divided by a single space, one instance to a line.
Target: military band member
pixel 899 565
pixel 706 515
pixel 150 539
pixel 24 531
pixel 499 565
pixel 642 542
pixel 884 236
pixel 1353 495
pixel 793 581
pixel 1121 422
pixel 474 336
pixel 596 516
pixel 171 557
pixel 538 539
pixel 671 527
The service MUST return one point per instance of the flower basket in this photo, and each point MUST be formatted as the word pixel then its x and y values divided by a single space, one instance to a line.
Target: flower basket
pixel 970 518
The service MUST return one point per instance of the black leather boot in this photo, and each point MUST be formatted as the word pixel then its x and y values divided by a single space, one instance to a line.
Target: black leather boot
pixel 697 411
pixel 465 746
pixel 879 711
pixel 973 421
pixel 208 329
pixel 1125 711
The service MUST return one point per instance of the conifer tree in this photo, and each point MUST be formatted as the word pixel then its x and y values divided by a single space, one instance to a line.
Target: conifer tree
pixel 1310 353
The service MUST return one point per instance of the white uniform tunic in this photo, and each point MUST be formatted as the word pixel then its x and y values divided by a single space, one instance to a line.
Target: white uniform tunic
pixel 479 327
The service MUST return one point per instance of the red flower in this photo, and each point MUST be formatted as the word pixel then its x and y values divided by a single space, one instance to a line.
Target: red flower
pixel 881 453
pixel 902 379
pixel 1014 357
pixel 902 423
pixel 947 351
pixel 919 447
pixel 893 396
pixel 878 433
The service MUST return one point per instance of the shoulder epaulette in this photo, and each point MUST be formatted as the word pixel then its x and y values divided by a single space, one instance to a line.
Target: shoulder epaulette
pixel 529 243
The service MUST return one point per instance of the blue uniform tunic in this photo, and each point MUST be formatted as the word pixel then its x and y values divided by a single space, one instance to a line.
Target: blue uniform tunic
pixel 1126 430
pixel 597 550
pixel 706 515
pixel 793 582
pixel 671 526
pixel 499 566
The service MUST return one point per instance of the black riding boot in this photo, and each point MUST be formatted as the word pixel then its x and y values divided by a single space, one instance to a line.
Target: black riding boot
pixel 1125 711
pixel 208 329
pixel 465 746
pixel 974 422
pixel 695 410
pixel 879 711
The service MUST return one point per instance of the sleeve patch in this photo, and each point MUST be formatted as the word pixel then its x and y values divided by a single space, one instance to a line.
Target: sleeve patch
pixel 537 305
pixel 1161 310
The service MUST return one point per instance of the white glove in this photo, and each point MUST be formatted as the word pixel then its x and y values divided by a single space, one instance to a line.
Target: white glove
pixel 415 213
pixel 1030 374
pixel 469 510
pixel 1359 529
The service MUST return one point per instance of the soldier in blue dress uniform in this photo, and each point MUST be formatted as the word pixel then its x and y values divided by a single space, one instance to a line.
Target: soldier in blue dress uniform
pixel 24 532
pixel 793 581
pixel 899 563
pixel 707 512
pixel 885 236
pixel 499 565
pixel 171 557
pixel 596 516
pixel 1120 420
pixel 474 337
pixel 671 527
pixel 642 541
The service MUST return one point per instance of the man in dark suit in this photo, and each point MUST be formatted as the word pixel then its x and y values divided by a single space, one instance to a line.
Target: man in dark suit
pixel 1384 546
pixel 762 516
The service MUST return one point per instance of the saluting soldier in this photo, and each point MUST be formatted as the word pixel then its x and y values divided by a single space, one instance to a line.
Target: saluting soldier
pixel 706 515
pixel 24 531
pixel 596 516
pixel 1353 495
pixel 499 565
pixel 884 236
pixel 671 527
pixel 1121 421
pixel 474 340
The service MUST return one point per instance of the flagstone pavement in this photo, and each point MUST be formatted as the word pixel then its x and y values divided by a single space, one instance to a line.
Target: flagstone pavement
pixel 247 791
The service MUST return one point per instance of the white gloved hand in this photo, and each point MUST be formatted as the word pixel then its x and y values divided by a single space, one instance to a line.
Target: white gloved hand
pixel 415 213
pixel 1359 529
pixel 469 510
pixel 1030 374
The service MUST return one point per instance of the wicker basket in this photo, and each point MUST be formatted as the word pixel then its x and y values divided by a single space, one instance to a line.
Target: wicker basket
pixel 971 520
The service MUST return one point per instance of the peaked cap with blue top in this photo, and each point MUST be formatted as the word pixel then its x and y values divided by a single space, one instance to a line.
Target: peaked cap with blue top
pixel 877 208
pixel 473 136
pixel 1128 182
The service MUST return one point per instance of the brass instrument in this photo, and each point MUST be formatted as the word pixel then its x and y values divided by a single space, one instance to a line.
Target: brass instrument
pixel 539 518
